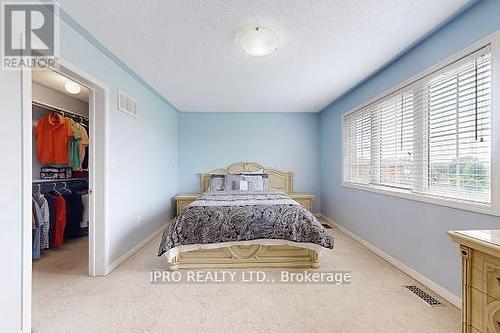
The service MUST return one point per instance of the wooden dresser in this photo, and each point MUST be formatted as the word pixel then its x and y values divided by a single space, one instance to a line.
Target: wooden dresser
pixel 305 199
pixel 480 251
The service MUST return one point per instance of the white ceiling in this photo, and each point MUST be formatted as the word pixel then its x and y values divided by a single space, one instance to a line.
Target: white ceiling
pixel 187 50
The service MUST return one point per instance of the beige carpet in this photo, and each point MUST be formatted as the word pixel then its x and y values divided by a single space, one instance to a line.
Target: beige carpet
pixel 65 300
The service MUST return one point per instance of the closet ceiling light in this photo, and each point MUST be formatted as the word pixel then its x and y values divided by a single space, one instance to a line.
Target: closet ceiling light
pixel 258 41
pixel 72 87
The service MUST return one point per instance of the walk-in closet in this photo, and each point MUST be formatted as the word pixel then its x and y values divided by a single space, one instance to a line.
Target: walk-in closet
pixel 61 145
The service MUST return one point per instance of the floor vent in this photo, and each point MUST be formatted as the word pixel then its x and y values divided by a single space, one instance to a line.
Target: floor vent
pixel 425 296
pixel 327 226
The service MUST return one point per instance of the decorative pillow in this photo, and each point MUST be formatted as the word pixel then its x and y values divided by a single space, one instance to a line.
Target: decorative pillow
pixel 255 182
pixel 216 183
pixel 244 185
pixel 232 182
pixel 264 176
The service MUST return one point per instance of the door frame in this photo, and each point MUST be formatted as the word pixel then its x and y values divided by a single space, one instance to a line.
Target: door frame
pixel 99 110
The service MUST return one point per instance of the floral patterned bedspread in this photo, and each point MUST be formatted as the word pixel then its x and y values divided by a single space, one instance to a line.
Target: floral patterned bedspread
pixel 229 216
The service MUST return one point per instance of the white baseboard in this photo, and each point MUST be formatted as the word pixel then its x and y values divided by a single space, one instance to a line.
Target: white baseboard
pixel 441 291
pixel 133 250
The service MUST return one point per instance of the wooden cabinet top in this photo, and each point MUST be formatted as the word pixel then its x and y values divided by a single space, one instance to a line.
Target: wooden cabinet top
pixel 186 196
pixel 302 195
pixel 487 241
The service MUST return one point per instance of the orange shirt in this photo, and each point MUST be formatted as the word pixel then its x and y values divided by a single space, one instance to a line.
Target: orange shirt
pixel 52 136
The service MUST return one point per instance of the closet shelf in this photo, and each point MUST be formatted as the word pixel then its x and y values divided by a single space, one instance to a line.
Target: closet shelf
pixel 37 181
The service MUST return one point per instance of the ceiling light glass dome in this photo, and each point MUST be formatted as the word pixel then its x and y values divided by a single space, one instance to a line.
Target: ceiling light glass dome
pixel 72 87
pixel 258 41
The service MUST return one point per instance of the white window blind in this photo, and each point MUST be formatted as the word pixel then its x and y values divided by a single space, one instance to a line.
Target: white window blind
pixel 458 121
pixel 393 141
pixel 357 165
pixel 431 137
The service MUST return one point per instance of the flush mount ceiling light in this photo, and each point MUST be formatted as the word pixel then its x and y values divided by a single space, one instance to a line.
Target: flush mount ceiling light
pixel 258 41
pixel 72 87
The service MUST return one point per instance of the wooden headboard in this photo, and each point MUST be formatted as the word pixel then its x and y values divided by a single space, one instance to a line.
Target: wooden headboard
pixel 279 180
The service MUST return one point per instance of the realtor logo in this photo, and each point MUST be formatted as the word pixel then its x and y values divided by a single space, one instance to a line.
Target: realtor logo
pixel 30 35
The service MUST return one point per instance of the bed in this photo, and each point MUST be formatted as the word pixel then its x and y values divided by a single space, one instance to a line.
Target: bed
pixel 245 228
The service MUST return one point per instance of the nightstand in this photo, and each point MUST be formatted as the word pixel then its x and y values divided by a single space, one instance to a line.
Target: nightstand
pixel 182 200
pixel 305 199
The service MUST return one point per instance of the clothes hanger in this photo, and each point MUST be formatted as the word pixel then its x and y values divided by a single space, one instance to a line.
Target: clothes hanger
pixel 65 188
pixel 55 189
pixel 59 113
pixel 38 189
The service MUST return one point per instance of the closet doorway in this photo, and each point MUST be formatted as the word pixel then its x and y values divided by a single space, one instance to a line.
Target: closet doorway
pixel 60 191
pixel 65 113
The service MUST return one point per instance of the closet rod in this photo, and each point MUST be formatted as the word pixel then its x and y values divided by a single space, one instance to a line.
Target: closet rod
pixel 52 108
pixel 48 181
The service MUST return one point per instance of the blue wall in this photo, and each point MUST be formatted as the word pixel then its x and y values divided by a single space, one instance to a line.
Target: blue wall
pixel 285 141
pixel 145 148
pixel 410 231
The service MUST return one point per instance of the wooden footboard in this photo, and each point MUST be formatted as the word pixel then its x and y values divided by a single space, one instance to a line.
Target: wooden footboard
pixel 248 256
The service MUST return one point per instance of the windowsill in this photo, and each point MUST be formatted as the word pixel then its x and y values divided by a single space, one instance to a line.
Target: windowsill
pixel 407 194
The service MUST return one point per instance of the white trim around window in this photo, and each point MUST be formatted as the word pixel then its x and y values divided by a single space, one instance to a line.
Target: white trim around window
pixel 491 208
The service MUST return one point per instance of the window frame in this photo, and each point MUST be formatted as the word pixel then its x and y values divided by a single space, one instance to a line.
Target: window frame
pixel 493 208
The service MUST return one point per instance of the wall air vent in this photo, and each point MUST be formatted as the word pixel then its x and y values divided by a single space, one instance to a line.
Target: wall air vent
pixel 127 104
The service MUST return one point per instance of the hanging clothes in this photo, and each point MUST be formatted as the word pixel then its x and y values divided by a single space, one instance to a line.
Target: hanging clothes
pixel 83 143
pixel 38 222
pixel 52 219
pixel 61 142
pixel 85 163
pixel 45 211
pixel 74 214
pixel 59 220
pixel 58 215
pixel 73 157
pixel 86 216
pixel 53 134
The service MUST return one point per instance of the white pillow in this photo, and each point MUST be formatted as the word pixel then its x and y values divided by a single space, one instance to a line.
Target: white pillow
pixel 232 182
pixel 255 183
pixel 216 183
pixel 243 185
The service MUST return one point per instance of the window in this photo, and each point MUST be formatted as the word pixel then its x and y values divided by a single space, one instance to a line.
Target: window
pixel 358 151
pixel 429 138
pixel 393 141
